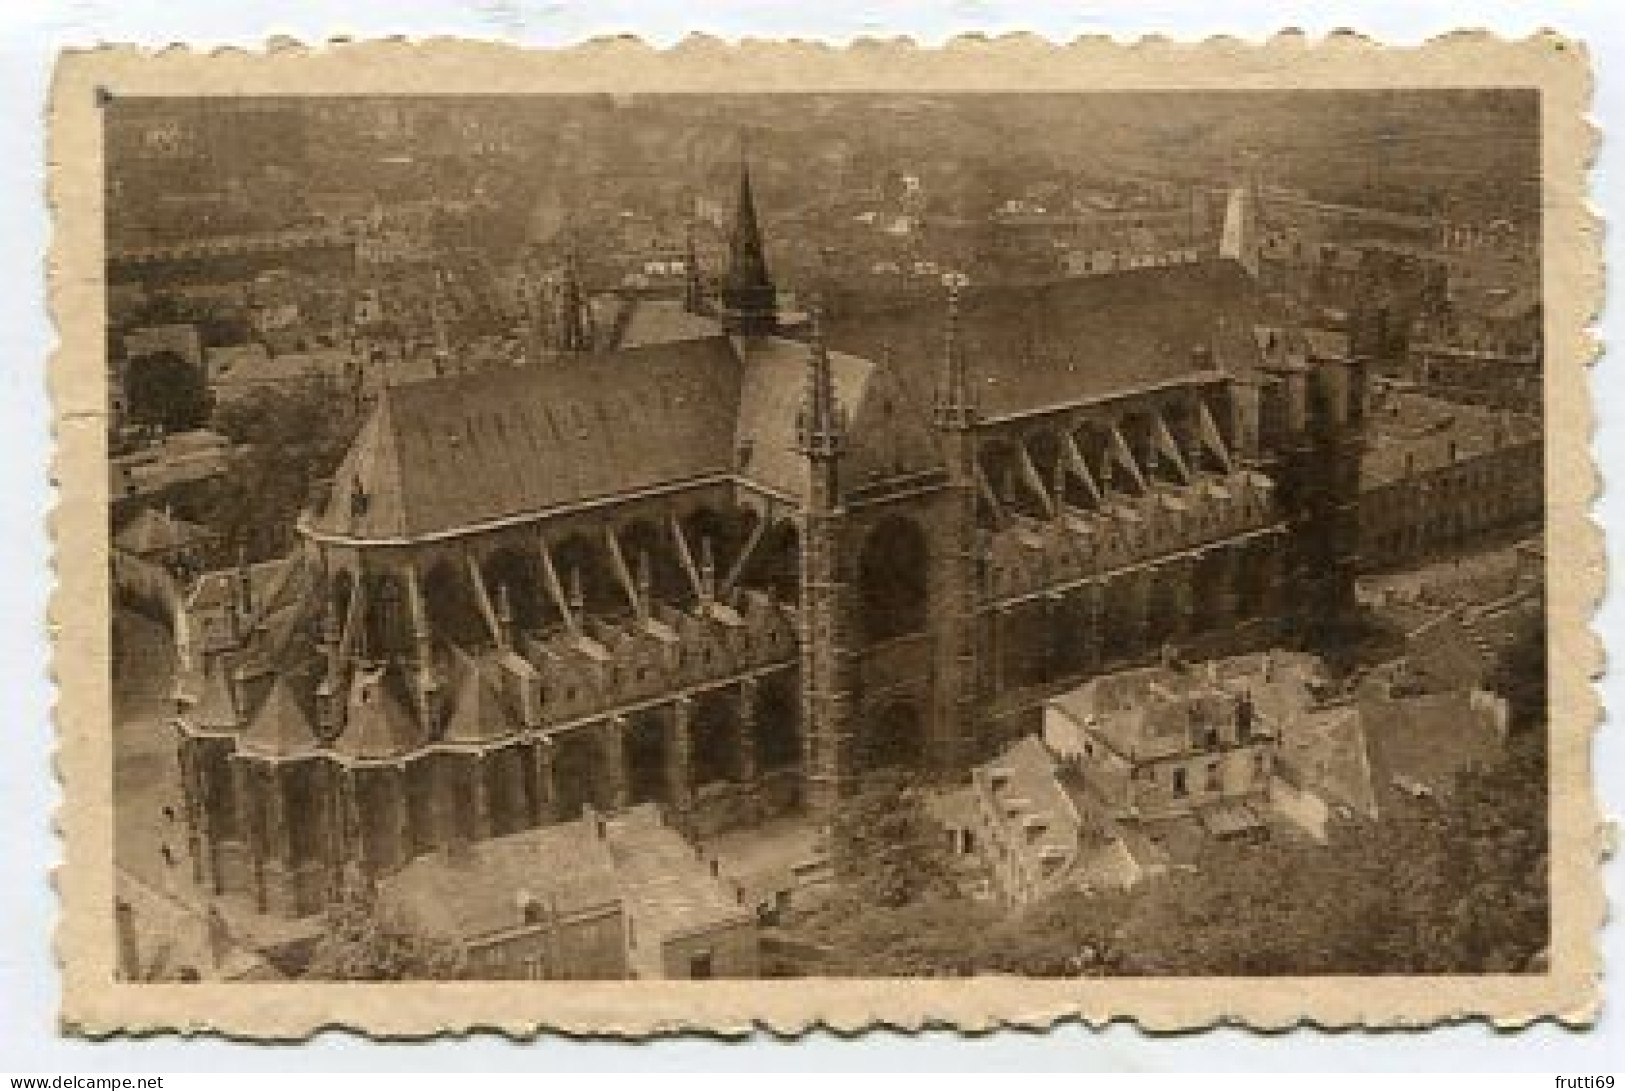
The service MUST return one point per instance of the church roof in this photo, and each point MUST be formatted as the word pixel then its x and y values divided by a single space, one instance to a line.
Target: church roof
pixel 478 714
pixel 378 726
pixel 1035 347
pixel 888 425
pixel 449 453
pixel 281 728
pixel 216 707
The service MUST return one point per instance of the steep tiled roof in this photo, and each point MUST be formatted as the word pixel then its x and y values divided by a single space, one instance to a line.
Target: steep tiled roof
pixel 378 725
pixel 1325 752
pixel 157 531
pixel 447 453
pixel 216 707
pixel 888 424
pixel 1070 340
pixel 564 868
pixel 1428 739
pixel 1024 780
pixel 281 728
pixel 478 714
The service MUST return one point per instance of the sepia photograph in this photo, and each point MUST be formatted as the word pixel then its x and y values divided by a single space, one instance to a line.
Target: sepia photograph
pixel 648 536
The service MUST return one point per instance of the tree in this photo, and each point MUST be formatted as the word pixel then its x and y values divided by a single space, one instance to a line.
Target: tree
pixel 165 390
pixel 886 848
pixel 362 942
pixel 934 937
pixel 1452 883
pixel 287 440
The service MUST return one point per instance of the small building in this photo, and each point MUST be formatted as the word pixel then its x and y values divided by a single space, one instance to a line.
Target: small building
pixel 1437 474
pixel 236 371
pixel 542 904
pixel 597 898
pixel 158 536
pixel 685 919
pixel 1032 833
pixel 1166 741
pixel 177 459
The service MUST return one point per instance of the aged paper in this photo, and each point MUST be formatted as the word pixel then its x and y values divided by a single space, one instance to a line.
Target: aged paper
pixel 622 541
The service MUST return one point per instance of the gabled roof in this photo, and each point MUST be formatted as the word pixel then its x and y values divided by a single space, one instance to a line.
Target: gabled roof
pixel 1326 752
pixel 1034 347
pixel 155 530
pixel 378 725
pixel 478 714
pixel 281 728
pixel 562 868
pixel 888 428
pixel 1024 780
pixel 216 707
pixel 449 453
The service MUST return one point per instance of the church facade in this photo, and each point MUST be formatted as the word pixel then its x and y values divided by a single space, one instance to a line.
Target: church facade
pixel 728 563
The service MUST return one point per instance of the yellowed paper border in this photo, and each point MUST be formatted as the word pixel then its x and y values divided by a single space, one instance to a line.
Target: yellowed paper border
pixel 93 1003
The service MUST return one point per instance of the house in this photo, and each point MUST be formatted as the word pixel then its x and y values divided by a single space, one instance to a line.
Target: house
pixel 542 904
pixel 1166 741
pixel 177 459
pixel 158 536
pixel 1034 835
pixel 602 897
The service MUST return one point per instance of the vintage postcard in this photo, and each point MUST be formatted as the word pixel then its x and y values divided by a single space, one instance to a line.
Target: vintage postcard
pixel 622 541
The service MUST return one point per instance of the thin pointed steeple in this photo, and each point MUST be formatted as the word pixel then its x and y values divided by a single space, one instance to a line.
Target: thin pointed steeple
pixel 821 431
pixel 576 334
pixel 749 298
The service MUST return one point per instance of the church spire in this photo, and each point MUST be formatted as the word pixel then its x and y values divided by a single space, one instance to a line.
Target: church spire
pixel 575 334
pixel 749 299
pixel 821 431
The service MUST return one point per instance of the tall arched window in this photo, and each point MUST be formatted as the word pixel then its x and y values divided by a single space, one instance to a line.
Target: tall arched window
pixel 893 580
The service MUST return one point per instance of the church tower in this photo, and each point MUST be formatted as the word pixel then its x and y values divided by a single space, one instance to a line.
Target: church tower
pixel 956 571
pixel 827 666
pixel 749 298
